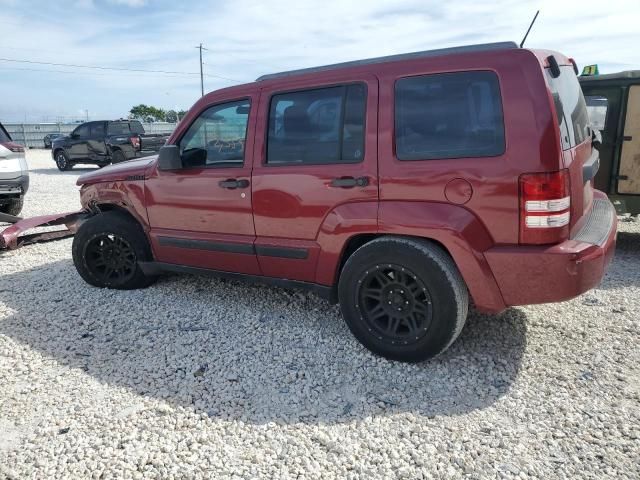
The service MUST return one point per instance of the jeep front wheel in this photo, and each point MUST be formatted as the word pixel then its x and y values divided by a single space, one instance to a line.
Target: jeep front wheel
pixel 403 298
pixel 106 250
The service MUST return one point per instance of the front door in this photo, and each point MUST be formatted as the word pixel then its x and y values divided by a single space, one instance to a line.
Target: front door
pixel 316 159
pixel 629 172
pixel 200 215
pixel 78 143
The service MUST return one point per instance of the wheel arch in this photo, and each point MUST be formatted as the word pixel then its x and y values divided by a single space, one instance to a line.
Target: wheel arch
pixel 453 228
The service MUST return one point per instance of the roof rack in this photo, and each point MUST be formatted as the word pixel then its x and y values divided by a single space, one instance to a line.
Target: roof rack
pixel 482 47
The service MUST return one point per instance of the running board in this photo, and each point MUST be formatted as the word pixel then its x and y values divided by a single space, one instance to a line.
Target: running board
pixel 323 291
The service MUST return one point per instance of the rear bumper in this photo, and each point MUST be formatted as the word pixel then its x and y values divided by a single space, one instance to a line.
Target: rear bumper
pixel 530 275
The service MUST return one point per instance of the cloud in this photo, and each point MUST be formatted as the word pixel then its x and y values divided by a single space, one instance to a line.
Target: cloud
pixel 130 3
pixel 248 38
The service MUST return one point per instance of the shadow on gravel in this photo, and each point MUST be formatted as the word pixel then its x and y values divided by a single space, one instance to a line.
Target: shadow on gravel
pixel 54 170
pixel 624 271
pixel 249 352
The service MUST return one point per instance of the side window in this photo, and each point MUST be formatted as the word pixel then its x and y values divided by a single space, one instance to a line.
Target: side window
pixel 448 115
pixel 118 128
pixel 97 129
pixel 320 126
pixel 82 131
pixel 597 108
pixel 217 137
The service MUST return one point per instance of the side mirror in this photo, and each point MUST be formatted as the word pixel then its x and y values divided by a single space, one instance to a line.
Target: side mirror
pixel 74 135
pixel 169 158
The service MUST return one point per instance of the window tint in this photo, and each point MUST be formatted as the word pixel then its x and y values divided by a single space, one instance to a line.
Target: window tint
pixel 4 136
pixel 449 115
pixel 119 128
pixel 82 131
pixel 317 126
pixel 217 136
pixel 570 107
pixel 597 107
pixel 97 129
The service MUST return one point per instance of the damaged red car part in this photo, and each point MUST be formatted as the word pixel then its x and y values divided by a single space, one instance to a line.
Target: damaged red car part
pixel 14 236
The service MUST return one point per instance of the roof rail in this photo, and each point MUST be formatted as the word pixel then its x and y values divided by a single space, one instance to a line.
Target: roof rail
pixel 482 47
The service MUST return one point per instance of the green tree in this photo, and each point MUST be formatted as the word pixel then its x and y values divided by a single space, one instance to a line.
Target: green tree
pixel 146 112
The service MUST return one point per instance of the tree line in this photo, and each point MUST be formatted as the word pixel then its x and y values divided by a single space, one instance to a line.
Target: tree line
pixel 150 114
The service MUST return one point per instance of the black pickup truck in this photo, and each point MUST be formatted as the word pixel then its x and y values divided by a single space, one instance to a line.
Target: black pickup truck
pixel 104 142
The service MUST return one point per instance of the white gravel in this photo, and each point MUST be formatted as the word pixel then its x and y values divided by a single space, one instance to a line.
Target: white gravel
pixel 196 377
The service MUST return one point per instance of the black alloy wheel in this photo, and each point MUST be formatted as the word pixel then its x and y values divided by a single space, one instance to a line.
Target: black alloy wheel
pixel 111 259
pixel 395 304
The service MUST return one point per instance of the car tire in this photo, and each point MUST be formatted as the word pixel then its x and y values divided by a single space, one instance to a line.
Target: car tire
pixel 106 250
pixel 62 161
pixel 117 157
pixel 102 165
pixel 403 298
pixel 14 207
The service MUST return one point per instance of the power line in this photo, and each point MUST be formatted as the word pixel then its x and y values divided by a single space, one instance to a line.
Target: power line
pixel 91 74
pixel 164 72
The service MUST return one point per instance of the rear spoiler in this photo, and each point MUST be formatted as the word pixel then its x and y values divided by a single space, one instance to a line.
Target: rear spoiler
pixel 14 236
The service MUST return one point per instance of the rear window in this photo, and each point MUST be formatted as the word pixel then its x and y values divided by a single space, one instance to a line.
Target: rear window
pixel 448 115
pixel 571 108
pixel 4 136
pixel 136 127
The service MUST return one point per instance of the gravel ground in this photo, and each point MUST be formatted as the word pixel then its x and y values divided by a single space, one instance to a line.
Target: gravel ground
pixel 196 377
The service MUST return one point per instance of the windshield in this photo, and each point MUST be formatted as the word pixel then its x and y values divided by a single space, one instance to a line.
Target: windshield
pixel 570 107
pixel 4 136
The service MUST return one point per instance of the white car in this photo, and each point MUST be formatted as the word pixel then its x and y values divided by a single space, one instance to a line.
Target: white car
pixel 14 174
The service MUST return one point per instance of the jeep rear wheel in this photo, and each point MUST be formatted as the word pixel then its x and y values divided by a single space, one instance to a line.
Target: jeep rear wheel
pixel 403 298
pixel 106 250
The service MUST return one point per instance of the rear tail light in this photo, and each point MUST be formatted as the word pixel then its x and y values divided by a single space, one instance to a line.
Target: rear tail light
pixel 135 141
pixel 545 202
pixel 14 147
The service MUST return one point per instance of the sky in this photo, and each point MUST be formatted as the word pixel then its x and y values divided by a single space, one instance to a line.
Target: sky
pixel 248 38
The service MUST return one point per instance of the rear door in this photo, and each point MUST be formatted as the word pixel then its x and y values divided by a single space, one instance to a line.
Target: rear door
pixel 629 172
pixel 96 147
pixel 316 151
pixel 575 137
pixel 200 215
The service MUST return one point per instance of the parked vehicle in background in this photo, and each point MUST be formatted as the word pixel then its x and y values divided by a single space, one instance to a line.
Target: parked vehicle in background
pixel 392 185
pixel 613 102
pixel 49 137
pixel 14 174
pixel 104 142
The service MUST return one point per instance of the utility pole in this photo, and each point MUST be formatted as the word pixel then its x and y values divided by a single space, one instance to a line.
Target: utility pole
pixel 200 47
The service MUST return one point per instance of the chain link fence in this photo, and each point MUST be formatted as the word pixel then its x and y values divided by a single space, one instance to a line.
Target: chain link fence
pixel 32 134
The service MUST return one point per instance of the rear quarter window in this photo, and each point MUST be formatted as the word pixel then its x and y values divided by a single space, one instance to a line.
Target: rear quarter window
pixel 118 128
pixel 448 115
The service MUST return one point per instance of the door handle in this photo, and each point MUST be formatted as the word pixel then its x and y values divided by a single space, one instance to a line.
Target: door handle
pixel 232 183
pixel 350 182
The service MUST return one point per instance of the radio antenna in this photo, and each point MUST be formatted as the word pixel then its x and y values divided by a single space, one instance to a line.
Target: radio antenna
pixel 529 29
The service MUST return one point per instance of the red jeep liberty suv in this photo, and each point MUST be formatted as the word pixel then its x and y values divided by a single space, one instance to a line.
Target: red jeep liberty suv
pixel 403 187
